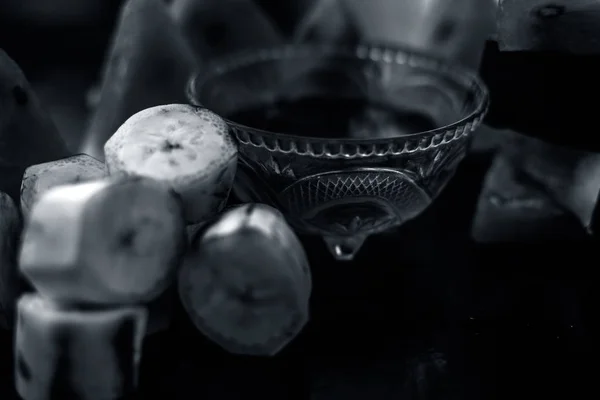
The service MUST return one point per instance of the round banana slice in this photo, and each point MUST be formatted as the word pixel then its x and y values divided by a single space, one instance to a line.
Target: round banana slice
pixel 111 241
pixel 246 282
pixel 76 354
pixel 10 232
pixel 41 177
pixel 190 148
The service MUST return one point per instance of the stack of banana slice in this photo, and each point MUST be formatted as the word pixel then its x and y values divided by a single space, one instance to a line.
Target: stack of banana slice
pixel 102 237
pixel 96 252
pixel 103 240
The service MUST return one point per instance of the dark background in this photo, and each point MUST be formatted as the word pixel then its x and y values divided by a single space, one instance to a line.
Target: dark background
pixel 424 312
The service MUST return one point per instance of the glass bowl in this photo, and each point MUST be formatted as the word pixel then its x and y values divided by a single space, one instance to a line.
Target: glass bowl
pixel 408 115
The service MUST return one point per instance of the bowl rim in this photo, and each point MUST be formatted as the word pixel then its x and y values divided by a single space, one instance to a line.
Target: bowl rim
pixel 315 146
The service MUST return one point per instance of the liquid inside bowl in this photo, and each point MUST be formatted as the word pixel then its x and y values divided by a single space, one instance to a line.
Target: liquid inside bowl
pixel 337 118
pixel 338 93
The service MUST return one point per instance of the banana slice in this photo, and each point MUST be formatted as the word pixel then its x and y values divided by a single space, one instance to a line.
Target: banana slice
pixel 189 148
pixel 39 178
pixel 246 282
pixel 27 134
pixel 10 232
pixel 112 241
pixel 148 63
pixel 76 354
